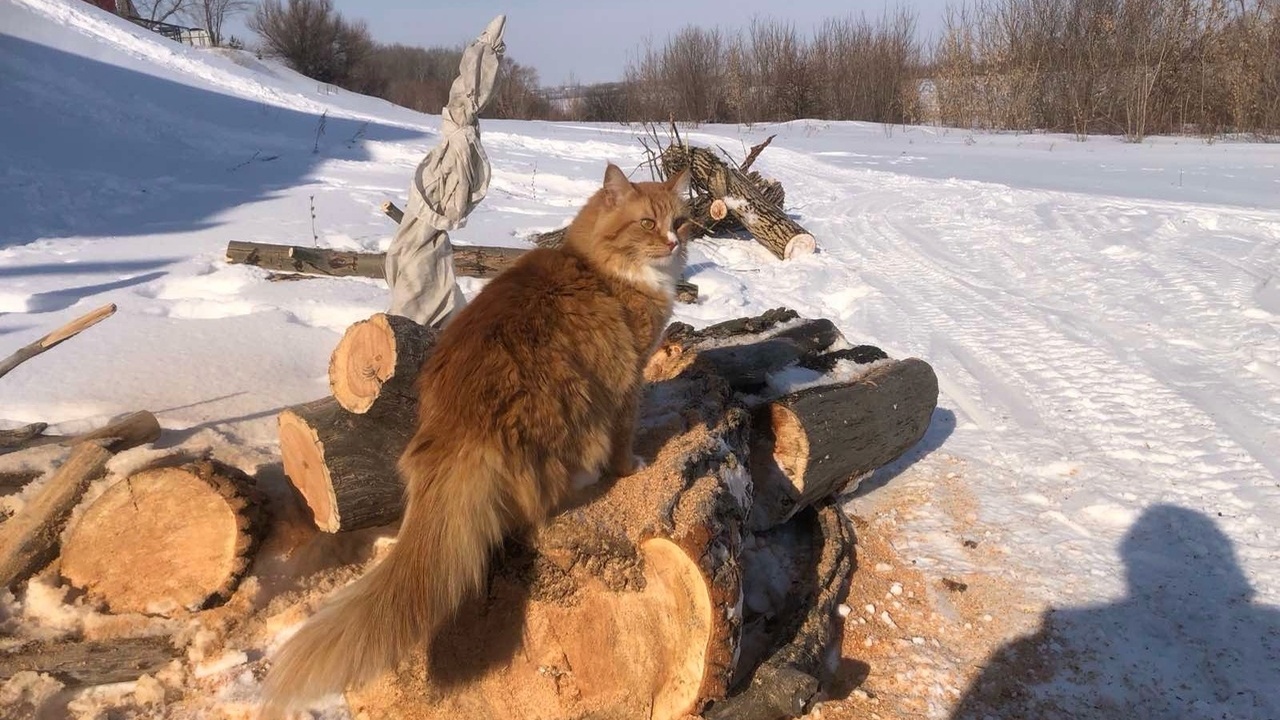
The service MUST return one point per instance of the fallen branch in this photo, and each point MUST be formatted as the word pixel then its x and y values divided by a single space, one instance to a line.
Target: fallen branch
pixel 755 153
pixel 84 664
pixel 127 431
pixel 22 435
pixel 53 339
pixel 29 539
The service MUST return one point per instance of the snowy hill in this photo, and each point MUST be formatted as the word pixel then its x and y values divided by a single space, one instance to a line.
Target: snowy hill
pixel 1104 319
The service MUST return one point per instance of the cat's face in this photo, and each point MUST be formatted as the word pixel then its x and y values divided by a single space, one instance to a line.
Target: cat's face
pixel 644 222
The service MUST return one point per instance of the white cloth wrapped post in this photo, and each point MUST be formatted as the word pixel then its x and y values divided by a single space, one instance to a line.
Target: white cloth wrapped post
pixel 447 185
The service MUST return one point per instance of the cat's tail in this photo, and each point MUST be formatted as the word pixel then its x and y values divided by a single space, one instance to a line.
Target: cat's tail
pixel 453 521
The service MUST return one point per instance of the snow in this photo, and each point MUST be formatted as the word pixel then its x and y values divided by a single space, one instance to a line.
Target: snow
pixel 1103 317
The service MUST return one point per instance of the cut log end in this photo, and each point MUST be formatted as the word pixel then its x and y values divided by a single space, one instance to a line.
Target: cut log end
pixel 799 246
pixel 682 622
pixel 166 540
pixel 364 359
pixel 303 455
pixel 718 209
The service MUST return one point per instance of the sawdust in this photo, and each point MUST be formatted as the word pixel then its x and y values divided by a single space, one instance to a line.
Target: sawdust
pixel 915 638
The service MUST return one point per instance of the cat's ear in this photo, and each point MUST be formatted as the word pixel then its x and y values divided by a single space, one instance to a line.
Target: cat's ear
pixel 679 184
pixel 616 185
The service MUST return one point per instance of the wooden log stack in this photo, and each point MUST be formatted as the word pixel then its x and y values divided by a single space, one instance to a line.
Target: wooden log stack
pixel 643 598
pixel 726 199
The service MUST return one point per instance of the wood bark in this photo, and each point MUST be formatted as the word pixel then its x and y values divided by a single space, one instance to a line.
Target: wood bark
pixel 809 444
pixel 783 661
pixel 84 664
pixel 29 539
pixel 377 358
pixel 166 540
pixel 55 338
pixel 468 261
pixel 746 351
pixel 767 222
pixel 344 464
pixel 625 605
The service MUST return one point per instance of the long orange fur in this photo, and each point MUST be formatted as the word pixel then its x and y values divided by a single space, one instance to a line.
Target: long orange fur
pixel 532 388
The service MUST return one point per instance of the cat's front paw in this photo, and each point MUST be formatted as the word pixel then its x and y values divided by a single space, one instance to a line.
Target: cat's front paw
pixel 623 468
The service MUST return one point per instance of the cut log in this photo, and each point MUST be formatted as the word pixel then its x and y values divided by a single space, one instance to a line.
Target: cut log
pixel 344 464
pixel 29 539
pixel 393 212
pixel 797 575
pixel 626 605
pixel 166 540
pixel 85 664
pixel 468 261
pixel 809 444
pixel 746 351
pixel 378 357
pixel 767 222
pixel 718 210
pixel 55 338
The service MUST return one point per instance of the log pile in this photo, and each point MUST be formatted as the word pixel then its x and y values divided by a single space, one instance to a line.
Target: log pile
pixel 650 596
pixel 726 199
pixel 160 539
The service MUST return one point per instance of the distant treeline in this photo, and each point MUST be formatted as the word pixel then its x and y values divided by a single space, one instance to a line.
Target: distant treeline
pixel 1127 67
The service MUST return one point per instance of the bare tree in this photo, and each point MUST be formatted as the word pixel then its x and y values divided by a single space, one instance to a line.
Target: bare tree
pixel 212 15
pixel 158 10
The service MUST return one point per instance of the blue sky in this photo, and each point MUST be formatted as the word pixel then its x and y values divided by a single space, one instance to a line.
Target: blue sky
pixel 591 40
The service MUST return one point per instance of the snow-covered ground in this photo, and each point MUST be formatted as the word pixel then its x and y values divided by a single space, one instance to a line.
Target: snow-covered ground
pixel 1104 319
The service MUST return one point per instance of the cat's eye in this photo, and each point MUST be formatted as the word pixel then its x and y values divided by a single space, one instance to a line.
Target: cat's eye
pixel 648 224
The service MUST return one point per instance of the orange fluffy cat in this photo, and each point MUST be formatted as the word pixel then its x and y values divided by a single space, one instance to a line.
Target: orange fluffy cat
pixel 532 389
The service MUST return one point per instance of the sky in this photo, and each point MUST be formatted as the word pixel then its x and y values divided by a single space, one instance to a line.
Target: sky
pixel 589 41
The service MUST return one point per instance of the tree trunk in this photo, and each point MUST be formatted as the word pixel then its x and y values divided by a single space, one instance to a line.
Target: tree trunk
pixel 344 464
pixel 29 539
pixel 378 357
pixel 166 540
pixel 84 664
pixel 743 199
pixel 625 605
pixel 809 444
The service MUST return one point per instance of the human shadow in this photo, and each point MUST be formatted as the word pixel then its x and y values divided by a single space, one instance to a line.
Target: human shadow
pixel 1186 642
pixel 95 149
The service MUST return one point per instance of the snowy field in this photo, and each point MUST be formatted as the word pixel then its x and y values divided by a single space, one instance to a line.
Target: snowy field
pixel 1104 319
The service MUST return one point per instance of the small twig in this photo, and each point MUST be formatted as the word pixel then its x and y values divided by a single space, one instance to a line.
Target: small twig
pixel 324 118
pixel 315 238
pixel 359 134
pixel 66 332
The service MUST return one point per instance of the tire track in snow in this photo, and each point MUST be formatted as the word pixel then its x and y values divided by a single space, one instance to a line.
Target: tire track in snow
pixel 1070 329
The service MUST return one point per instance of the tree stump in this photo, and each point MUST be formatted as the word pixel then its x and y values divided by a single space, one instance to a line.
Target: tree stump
pixel 344 464
pixel 166 540
pixel 378 357
pixel 626 605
